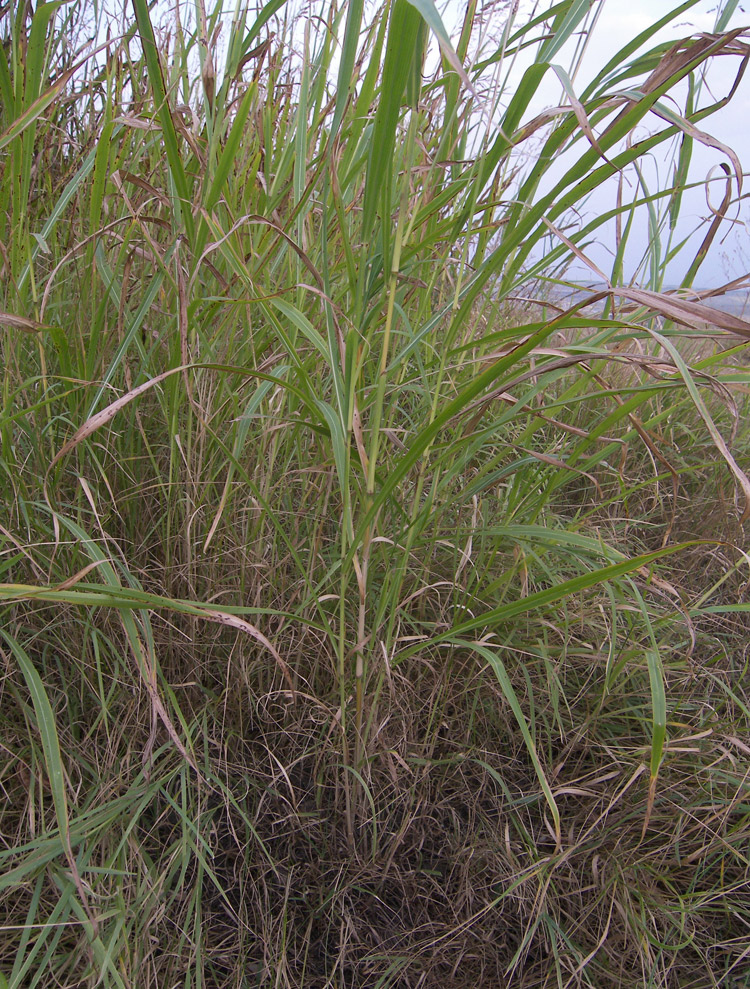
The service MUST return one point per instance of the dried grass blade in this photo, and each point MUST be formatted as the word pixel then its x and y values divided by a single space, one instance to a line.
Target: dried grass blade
pixel 700 405
pixel 47 726
pixel 106 415
pixel 233 621
pixel 693 314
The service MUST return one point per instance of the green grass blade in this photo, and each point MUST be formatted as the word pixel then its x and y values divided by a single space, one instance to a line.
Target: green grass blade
pixel 47 725
pixel 498 667
pixel 182 200
pixel 352 30
pixel 403 35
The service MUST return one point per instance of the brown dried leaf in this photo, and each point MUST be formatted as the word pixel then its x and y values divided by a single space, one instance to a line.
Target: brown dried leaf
pixel 693 314
pixel 223 618
pixel 106 415
pixel 21 323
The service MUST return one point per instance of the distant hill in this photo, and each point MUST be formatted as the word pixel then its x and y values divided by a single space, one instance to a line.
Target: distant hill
pixel 736 303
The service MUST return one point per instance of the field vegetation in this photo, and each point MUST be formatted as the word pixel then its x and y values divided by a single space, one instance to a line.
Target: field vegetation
pixel 370 616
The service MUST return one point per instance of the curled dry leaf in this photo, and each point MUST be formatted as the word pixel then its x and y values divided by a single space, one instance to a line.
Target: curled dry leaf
pixel 693 314
pixel 75 578
pixel 223 618
pixel 138 123
pixel 21 323
pixel 579 110
pixel 106 415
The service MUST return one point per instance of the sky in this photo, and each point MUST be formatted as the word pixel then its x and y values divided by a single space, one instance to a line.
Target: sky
pixel 730 254
pixel 618 21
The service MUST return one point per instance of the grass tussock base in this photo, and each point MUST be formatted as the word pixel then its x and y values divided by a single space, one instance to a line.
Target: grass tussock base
pixel 436 862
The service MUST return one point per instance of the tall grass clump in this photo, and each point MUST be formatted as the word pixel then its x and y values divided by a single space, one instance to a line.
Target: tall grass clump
pixel 371 615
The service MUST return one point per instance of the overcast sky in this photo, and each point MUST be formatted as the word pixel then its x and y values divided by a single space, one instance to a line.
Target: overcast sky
pixel 620 20
pixel 617 22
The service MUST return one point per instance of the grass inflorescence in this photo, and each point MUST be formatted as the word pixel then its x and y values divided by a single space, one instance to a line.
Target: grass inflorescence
pixel 370 615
